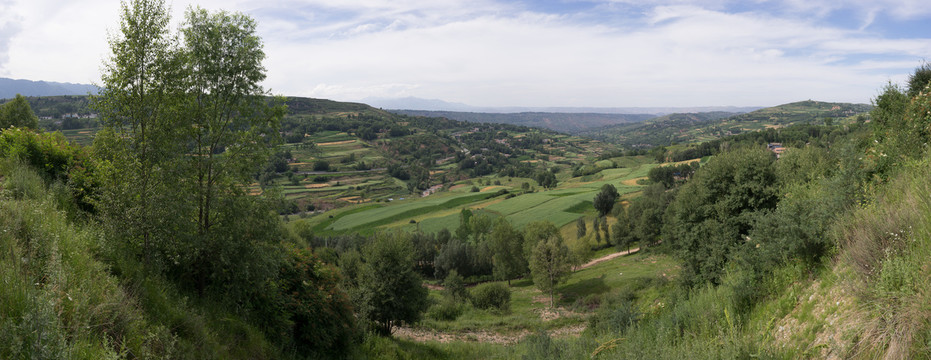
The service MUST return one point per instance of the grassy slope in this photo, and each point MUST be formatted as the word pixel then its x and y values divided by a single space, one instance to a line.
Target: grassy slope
pixel 59 300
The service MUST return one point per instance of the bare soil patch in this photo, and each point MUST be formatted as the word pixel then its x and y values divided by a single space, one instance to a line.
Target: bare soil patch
pixel 632 182
pixel 608 257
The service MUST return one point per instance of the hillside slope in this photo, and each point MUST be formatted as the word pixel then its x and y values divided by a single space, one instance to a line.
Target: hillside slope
pixel 571 123
pixel 699 127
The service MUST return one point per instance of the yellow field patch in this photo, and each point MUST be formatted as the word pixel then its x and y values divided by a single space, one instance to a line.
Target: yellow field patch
pixel 680 162
pixel 632 182
pixel 316 186
pixel 84 132
pixel 486 204
pixel 344 142
pixel 352 199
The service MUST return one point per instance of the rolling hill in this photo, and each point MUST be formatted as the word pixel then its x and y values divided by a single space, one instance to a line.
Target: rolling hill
pixel 699 127
pixel 570 123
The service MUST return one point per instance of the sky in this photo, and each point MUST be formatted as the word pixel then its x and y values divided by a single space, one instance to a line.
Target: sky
pixel 547 53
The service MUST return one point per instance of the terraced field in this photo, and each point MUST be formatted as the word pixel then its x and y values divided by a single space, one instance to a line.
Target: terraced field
pixel 560 206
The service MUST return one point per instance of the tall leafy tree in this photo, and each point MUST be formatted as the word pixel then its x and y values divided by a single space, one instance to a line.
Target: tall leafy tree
pixel 230 126
pixel 716 210
pixel 605 199
pixel 606 230
pixel 580 227
pixel 550 262
pixel 229 129
pixel 389 291
pixel 507 246
pixel 18 113
pixel 620 232
pixel 138 105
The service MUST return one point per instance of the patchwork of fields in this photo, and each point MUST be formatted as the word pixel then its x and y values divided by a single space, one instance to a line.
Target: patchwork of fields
pixel 560 206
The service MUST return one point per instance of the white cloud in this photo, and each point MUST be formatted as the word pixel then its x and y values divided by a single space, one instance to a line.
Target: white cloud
pixel 666 53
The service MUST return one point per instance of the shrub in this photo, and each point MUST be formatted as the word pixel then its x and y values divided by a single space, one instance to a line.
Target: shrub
pixel 320 313
pixel 446 310
pixel 492 295
pixel 455 286
pixel 615 319
pixel 321 165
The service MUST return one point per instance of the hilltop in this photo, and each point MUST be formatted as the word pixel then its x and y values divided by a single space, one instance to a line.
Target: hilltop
pixel 699 127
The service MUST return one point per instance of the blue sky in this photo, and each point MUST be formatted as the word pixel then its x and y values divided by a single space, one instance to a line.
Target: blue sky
pixel 597 53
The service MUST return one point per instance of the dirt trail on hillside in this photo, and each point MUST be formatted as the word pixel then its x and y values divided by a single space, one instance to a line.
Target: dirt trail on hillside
pixel 424 335
pixel 607 257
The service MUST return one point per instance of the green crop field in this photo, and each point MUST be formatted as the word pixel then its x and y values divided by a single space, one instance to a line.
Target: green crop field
pixel 387 215
pixel 560 206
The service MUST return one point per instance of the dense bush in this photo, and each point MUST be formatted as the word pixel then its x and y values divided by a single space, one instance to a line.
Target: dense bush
pixel 491 295
pixel 445 310
pixel 318 311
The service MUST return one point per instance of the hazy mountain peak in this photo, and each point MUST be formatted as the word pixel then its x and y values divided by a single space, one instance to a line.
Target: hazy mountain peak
pixel 10 87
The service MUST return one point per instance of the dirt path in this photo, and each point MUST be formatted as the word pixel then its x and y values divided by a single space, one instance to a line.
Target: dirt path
pixel 423 335
pixel 607 257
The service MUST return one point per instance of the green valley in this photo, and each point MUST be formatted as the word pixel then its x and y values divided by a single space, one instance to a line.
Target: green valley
pixel 186 212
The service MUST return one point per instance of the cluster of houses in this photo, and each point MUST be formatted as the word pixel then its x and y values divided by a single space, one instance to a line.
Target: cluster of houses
pixel 777 149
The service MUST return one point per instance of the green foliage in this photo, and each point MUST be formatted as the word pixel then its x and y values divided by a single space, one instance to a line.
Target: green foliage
pixel 455 255
pixel 389 292
pixel 671 175
pixel 321 165
pixel 59 300
pixel 621 232
pixel 918 81
pixel 48 152
pixel 17 113
pixel 580 251
pixel 446 309
pixel 491 295
pixel 699 127
pixel 605 199
pixel 507 244
pixel 714 212
pixel 319 314
pixel 549 261
pixel 901 123
pixel 455 287
pixel 887 244
pixel 580 227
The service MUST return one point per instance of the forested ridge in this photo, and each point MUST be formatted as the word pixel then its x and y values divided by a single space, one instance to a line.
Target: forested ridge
pixel 206 218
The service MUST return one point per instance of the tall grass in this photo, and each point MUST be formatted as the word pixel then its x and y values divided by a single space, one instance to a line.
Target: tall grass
pixel 888 242
pixel 60 300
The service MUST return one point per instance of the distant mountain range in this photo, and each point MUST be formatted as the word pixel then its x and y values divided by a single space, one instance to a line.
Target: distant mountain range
pixel 10 87
pixel 413 103
pixel 572 120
